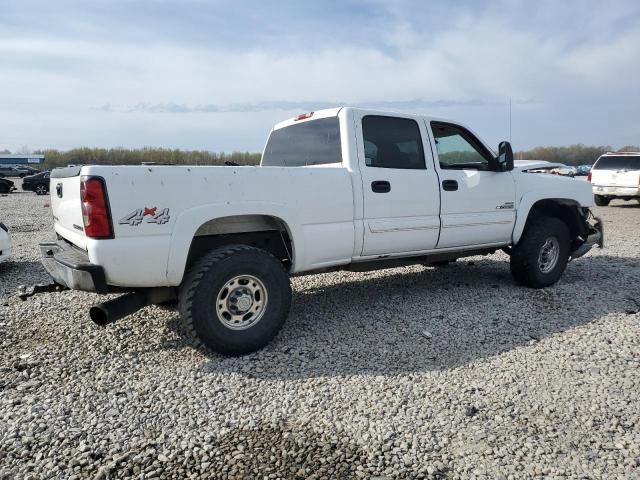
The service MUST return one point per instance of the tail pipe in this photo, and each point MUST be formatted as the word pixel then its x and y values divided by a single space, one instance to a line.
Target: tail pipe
pixel 112 310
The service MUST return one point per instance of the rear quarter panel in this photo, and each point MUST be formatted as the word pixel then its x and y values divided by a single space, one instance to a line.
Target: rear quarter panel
pixel 157 210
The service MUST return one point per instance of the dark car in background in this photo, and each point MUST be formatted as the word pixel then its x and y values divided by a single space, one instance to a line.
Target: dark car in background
pixel 38 183
pixel 23 170
pixel 6 185
pixel 8 171
pixel 583 170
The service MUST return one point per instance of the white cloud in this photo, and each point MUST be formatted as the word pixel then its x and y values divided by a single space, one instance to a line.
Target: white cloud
pixel 553 65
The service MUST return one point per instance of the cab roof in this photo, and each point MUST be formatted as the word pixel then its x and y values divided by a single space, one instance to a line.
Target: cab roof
pixel 333 112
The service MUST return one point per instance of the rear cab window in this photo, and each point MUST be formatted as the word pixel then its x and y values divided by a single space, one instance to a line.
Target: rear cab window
pixel 313 142
pixel 618 162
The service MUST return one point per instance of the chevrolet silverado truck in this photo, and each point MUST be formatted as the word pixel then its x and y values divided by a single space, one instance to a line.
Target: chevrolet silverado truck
pixel 342 188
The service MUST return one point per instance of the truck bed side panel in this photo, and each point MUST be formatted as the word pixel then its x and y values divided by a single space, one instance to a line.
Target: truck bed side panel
pixel 157 210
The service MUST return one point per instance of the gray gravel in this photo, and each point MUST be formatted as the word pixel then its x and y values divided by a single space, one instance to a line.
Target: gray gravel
pixel 405 373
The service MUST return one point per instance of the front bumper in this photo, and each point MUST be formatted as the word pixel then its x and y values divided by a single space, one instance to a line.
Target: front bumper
pixel 595 237
pixel 71 268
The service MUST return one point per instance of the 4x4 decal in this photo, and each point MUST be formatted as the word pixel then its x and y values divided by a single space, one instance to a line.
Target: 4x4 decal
pixel 146 215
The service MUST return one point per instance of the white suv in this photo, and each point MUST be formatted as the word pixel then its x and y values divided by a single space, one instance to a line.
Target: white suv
pixel 616 175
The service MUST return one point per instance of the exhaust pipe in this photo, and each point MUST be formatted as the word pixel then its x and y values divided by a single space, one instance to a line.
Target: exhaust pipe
pixel 112 310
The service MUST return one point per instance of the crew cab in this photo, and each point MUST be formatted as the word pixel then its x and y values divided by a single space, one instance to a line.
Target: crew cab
pixel 342 188
pixel 616 175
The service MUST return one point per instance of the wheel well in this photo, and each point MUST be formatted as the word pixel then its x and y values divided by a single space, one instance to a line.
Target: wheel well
pixel 261 231
pixel 568 211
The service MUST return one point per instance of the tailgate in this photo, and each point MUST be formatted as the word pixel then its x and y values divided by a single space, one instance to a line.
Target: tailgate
pixel 616 178
pixel 65 205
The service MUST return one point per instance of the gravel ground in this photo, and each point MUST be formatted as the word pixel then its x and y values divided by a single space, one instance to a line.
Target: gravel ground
pixel 406 373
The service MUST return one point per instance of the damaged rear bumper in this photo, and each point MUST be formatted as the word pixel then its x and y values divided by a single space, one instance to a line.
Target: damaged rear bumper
pixel 71 268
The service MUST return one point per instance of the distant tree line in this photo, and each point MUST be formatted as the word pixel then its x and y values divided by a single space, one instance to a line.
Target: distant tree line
pixel 125 156
pixel 577 154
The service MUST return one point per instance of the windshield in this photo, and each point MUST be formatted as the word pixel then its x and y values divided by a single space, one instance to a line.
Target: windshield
pixel 621 162
pixel 315 142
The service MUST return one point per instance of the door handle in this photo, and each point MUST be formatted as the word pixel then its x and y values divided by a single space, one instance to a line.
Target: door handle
pixel 450 185
pixel 380 186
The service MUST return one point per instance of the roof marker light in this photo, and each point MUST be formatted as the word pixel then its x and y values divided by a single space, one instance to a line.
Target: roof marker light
pixel 303 116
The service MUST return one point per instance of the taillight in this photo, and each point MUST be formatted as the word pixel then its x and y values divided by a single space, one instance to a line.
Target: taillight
pixel 95 208
pixel 589 177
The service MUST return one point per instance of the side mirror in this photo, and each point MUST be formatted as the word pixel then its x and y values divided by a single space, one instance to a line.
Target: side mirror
pixel 505 157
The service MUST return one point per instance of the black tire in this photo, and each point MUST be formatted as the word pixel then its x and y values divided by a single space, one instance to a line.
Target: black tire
pixel 41 189
pixel 527 259
pixel 601 201
pixel 4 188
pixel 208 278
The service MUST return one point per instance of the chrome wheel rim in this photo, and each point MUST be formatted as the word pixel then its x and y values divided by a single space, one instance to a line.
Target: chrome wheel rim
pixel 549 254
pixel 41 190
pixel 241 302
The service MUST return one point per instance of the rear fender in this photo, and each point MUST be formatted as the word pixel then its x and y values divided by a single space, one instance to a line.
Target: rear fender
pixel 189 221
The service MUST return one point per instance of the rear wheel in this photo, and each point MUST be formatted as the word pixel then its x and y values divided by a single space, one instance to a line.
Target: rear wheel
pixel 4 188
pixel 41 189
pixel 235 299
pixel 601 201
pixel 541 256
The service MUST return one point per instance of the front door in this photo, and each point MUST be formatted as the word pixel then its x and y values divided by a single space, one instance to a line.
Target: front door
pixel 400 185
pixel 478 202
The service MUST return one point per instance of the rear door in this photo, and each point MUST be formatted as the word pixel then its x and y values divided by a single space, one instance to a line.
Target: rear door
pixel 400 185
pixel 478 203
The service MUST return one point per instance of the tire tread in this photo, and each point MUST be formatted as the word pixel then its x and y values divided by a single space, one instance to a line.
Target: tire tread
pixel 191 282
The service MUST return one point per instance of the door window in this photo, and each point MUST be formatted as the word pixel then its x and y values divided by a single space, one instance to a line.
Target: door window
pixel 460 150
pixel 391 142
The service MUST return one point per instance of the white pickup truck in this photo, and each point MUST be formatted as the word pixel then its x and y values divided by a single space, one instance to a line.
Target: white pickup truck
pixel 343 188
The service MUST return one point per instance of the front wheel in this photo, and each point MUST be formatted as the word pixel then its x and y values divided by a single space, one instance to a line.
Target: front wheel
pixel 601 201
pixel 541 256
pixel 235 299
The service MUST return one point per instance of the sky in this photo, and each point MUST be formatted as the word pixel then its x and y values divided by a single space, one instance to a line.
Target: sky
pixel 216 75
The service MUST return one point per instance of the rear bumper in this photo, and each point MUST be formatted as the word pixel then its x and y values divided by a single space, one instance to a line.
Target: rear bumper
pixel 27 187
pixel 615 191
pixel 71 267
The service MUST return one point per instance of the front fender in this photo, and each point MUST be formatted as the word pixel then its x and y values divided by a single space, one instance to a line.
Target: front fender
pixel 528 202
pixel 535 187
